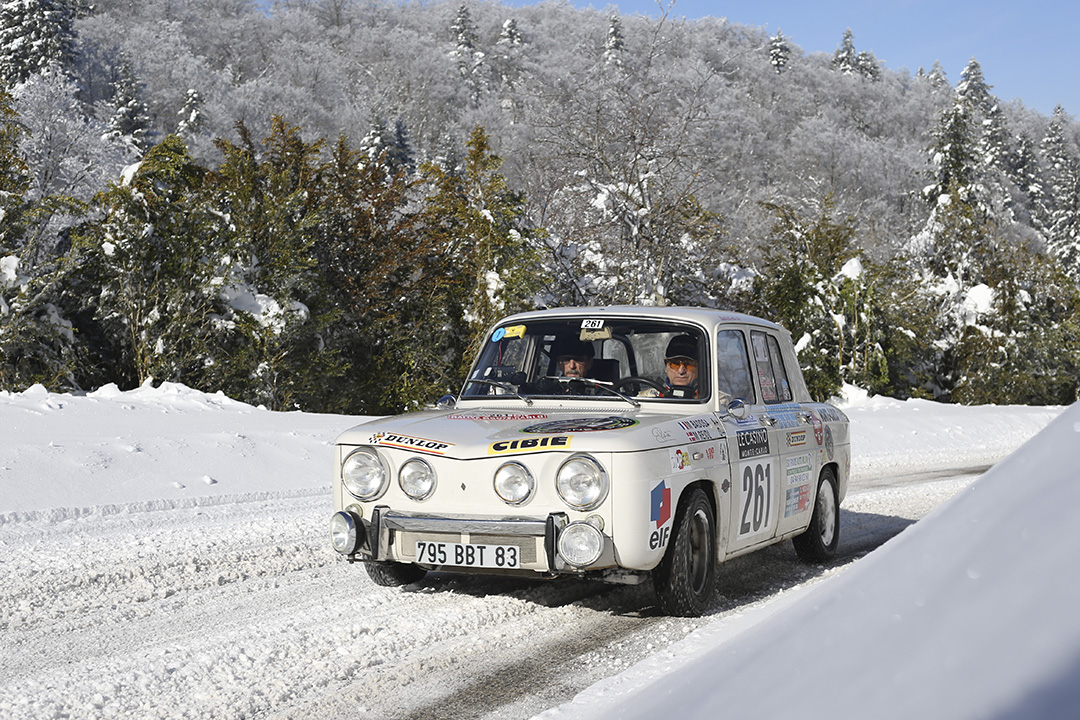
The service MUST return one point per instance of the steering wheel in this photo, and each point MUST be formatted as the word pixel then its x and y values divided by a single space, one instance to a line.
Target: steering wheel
pixel 634 379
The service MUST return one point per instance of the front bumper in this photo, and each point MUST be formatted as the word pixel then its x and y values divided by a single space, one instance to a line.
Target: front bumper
pixel 389 535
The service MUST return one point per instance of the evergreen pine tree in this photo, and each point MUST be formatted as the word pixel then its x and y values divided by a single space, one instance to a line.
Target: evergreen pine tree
pixel 779 52
pixel 845 59
pixel 189 120
pixel 973 88
pixel 33 35
pixel 868 65
pixel 155 255
pixel 469 58
pixel 130 121
pixel 479 223
pixel 614 45
pixel 1063 189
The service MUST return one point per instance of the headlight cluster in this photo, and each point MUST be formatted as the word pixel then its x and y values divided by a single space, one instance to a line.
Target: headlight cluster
pixel 580 481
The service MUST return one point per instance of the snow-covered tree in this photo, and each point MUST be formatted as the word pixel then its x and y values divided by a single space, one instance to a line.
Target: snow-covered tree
pixel 480 224
pixel 845 59
pixel 130 122
pixel 868 65
pixel 156 257
pixel 469 58
pixel 973 88
pixel 34 35
pixel 189 120
pixel 1062 167
pixel 779 52
pixel 614 45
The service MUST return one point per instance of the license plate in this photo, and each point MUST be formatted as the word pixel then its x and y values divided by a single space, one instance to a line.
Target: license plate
pixel 468 555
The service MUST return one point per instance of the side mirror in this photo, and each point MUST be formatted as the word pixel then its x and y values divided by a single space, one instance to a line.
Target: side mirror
pixel 738 409
pixel 447 402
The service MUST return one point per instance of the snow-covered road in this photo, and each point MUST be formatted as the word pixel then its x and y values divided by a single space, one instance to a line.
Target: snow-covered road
pixel 240 610
pixel 223 604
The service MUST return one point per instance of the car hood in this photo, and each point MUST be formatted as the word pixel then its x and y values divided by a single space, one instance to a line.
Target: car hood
pixel 471 433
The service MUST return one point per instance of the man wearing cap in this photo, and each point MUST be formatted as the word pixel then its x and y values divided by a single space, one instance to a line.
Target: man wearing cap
pixel 681 369
pixel 573 358
pixel 681 366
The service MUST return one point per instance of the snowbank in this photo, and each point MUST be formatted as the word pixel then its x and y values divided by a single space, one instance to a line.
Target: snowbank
pixel 970 613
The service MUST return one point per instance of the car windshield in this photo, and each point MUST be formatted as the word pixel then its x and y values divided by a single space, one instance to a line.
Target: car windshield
pixel 600 358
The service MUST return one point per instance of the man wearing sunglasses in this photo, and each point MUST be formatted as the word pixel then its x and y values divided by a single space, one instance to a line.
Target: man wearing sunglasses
pixel 681 366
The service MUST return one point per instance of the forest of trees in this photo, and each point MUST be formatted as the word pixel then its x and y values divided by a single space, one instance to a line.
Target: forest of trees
pixel 321 204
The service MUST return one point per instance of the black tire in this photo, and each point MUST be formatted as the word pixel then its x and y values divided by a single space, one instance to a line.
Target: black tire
pixel 818 543
pixel 686 577
pixel 391 574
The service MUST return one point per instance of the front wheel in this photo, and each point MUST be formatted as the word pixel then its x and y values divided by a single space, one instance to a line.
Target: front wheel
pixel 391 574
pixel 686 577
pixel 818 543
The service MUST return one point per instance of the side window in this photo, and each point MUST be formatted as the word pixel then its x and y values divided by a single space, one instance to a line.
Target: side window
pixel 733 366
pixel 783 388
pixel 772 378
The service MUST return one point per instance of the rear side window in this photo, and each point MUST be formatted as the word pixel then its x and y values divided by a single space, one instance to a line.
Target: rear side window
pixel 772 377
pixel 733 366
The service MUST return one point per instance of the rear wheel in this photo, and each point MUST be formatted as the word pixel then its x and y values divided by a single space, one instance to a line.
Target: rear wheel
pixel 686 577
pixel 391 574
pixel 818 543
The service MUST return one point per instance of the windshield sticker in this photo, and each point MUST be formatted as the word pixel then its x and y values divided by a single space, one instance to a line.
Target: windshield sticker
pixel 579 425
pixel 592 324
pixel 408 442
pixel 555 442
pixel 511 417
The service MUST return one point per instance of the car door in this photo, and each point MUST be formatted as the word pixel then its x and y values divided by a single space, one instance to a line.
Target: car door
pixel 789 432
pixel 752 445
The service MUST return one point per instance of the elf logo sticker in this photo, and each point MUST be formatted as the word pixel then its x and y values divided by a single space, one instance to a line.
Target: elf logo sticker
pixel 660 513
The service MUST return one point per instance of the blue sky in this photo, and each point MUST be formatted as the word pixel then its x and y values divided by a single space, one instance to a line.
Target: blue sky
pixel 1028 50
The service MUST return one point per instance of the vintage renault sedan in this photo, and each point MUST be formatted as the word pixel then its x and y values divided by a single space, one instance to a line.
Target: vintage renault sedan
pixel 611 443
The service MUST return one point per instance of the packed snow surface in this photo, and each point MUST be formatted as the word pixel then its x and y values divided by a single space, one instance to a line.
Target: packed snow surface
pixel 163 554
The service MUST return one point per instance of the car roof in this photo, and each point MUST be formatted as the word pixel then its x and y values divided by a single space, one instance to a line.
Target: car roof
pixel 700 315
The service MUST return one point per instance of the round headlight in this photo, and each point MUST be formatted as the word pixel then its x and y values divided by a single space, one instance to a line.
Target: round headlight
pixel 582 483
pixel 344 533
pixel 417 479
pixel 514 483
pixel 364 475
pixel 580 544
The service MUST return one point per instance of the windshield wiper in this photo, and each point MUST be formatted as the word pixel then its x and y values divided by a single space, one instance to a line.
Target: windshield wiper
pixel 606 386
pixel 508 388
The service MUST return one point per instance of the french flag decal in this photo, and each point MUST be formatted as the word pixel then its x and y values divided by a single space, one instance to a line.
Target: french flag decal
pixel 661 504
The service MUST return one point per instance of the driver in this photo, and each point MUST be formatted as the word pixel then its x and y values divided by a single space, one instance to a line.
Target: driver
pixel 573 358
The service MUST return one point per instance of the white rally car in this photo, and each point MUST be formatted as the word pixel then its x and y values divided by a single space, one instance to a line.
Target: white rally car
pixel 612 443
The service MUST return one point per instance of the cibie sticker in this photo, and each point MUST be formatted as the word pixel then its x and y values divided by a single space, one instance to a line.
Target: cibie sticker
pixel 556 442
pixel 408 442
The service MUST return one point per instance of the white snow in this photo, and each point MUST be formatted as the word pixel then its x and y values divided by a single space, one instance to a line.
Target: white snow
pixel 117 508
pixel 970 613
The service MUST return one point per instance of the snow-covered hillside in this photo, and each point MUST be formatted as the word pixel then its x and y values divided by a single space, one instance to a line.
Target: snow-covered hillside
pixel 164 555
